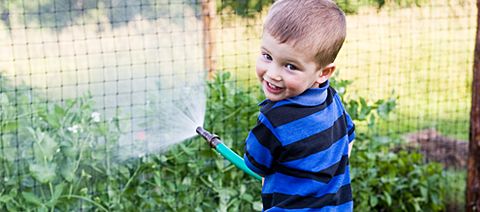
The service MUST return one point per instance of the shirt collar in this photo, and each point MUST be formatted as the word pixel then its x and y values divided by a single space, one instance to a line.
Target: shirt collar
pixel 311 97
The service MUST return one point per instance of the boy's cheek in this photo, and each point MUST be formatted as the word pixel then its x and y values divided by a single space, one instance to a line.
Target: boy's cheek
pixel 260 70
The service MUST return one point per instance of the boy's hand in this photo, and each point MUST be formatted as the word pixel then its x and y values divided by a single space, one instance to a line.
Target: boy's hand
pixel 350 146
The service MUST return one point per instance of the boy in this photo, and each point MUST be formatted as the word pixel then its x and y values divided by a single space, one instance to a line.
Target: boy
pixel 303 136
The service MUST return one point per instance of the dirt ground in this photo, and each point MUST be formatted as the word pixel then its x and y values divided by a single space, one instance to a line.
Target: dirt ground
pixel 436 147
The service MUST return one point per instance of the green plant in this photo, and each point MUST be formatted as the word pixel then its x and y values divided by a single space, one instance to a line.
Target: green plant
pixel 385 177
pixel 397 181
pixel 57 157
pixel 50 152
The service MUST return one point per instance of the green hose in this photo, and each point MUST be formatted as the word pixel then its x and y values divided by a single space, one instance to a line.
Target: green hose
pixel 228 154
pixel 215 142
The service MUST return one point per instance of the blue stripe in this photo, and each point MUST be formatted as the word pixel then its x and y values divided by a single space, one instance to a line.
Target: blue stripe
pixel 262 118
pixel 321 160
pixel 261 154
pixel 278 104
pixel 351 137
pixel 310 125
pixel 303 187
pixel 346 207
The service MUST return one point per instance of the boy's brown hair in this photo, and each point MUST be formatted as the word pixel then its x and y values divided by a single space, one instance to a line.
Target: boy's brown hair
pixel 315 25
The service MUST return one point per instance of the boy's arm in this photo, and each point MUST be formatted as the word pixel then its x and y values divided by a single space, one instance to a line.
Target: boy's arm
pixel 350 131
pixel 260 145
pixel 350 146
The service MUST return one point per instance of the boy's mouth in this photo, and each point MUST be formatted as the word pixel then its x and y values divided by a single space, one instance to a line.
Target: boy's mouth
pixel 272 88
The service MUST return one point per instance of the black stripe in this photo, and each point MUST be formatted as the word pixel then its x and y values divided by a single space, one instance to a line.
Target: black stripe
pixel 350 132
pixel 323 84
pixel 277 116
pixel 343 195
pixel 315 143
pixel 267 139
pixel 256 164
pixel 268 105
pixel 324 175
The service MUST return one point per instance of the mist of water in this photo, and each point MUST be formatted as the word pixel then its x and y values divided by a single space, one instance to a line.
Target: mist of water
pixel 171 118
pixel 149 71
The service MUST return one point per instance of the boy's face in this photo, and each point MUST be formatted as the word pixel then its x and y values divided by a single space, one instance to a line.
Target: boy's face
pixel 285 71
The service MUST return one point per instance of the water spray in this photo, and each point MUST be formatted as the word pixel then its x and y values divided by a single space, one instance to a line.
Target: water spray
pixel 217 144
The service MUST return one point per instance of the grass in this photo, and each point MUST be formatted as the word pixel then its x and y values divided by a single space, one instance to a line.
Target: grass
pixel 422 55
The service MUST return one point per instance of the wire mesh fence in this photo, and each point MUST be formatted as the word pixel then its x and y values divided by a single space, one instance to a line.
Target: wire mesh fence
pixel 95 93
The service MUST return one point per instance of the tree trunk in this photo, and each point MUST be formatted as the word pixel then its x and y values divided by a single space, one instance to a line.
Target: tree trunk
pixel 209 38
pixel 473 178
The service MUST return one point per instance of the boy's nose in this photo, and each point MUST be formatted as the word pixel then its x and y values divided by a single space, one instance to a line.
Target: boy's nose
pixel 273 73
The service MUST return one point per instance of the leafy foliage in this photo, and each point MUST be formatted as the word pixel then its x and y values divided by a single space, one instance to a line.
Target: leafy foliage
pixel 56 157
pixel 50 151
pixel 384 176
pixel 397 181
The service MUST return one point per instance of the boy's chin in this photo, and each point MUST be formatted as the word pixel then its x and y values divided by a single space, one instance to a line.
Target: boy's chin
pixel 273 98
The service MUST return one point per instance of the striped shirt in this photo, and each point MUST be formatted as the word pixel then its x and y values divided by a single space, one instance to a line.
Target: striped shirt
pixel 300 146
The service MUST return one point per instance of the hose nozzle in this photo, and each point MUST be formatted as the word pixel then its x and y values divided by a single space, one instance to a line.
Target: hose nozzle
pixel 211 138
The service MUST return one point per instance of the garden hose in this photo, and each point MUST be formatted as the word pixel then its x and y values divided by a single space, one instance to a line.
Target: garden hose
pixel 215 142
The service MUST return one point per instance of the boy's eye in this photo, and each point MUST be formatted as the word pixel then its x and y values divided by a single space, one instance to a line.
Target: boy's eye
pixel 291 67
pixel 266 56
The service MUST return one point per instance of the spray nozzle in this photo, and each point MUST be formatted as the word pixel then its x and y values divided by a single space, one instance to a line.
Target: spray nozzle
pixel 211 138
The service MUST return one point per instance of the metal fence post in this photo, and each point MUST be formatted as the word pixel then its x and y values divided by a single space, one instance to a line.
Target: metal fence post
pixel 473 177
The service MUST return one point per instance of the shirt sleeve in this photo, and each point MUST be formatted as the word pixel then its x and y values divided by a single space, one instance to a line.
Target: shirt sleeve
pixel 350 127
pixel 261 146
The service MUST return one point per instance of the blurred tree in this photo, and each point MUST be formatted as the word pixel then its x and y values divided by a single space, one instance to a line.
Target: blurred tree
pixel 58 14
pixel 244 8
pixel 5 12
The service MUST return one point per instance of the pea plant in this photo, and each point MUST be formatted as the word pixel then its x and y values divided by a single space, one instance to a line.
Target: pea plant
pixel 58 156
pixel 50 152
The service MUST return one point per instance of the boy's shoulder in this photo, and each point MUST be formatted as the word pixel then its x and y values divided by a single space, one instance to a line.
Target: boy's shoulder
pixel 288 110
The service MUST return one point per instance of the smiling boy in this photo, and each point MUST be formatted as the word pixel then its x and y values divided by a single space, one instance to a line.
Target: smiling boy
pixel 302 140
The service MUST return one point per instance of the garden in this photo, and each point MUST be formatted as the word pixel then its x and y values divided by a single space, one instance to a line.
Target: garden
pixel 99 101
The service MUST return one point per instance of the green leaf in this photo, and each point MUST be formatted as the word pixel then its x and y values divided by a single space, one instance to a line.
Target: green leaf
pixel 8 126
pixel 388 198
pixel 4 99
pixel 258 206
pixel 32 198
pixel 44 173
pixel 385 107
pixel 5 198
pixel 59 111
pixel 49 147
pixel 424 192
pixel 373 201
pixel 57 192
pixel 68 170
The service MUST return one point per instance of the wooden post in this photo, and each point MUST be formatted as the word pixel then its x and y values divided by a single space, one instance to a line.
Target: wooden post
pixel 209 38
pixel 473 177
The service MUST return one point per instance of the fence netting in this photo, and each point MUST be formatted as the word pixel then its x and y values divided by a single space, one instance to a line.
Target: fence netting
pixel 95 94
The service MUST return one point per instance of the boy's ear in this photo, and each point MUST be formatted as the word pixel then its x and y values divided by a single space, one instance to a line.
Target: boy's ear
pixel 325 73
